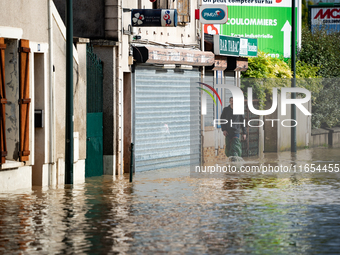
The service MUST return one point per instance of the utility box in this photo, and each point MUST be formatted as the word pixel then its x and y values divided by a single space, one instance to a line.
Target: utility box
pixel 38 118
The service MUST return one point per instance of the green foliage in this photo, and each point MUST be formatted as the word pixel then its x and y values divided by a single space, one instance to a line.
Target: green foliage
pixel 307 78
pixel 318 57
pixel 267 70
pixel 325 109
pixel 264 66
pixel 305 13
pixel 303 70
pixel 275 72
pixel 321 50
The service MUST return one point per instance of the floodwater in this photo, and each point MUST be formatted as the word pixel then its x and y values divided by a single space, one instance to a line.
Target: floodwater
pixel 167 211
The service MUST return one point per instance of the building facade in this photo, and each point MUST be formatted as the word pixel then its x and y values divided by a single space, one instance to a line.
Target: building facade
pixel 33 82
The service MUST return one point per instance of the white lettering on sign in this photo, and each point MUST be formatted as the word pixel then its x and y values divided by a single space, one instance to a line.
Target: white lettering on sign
pixel 190 57
pixel 243 46
pixel 211 15
pixel 229 45
pixel 252 48
pixel 175 56
pixel 250 22
pixel 233 46
pixel 155 55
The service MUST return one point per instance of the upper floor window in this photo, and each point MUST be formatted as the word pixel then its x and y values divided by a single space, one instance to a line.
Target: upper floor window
pixel 161 4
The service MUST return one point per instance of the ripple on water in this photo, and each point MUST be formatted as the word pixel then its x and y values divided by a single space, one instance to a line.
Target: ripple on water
pixel 167 211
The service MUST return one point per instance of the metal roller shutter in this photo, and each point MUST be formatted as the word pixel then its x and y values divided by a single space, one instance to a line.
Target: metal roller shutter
pixel 166 118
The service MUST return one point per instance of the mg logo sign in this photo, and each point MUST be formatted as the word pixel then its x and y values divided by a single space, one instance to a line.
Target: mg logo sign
pixel 213 14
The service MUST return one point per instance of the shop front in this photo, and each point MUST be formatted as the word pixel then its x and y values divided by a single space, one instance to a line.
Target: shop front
pixel 166 120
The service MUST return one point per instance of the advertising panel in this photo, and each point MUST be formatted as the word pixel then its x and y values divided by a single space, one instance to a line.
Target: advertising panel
pixel 235 46
pixel 153 18
pixel 324 17
pixel 268 21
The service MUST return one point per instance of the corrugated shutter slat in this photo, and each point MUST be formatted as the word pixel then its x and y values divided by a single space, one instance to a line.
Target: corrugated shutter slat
pixel 167 119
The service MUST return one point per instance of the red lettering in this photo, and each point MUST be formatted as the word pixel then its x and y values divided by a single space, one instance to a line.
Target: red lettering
pixel 337 16
pixel 328 13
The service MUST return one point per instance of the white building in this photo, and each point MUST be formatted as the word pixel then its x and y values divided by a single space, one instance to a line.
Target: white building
pixel 33 49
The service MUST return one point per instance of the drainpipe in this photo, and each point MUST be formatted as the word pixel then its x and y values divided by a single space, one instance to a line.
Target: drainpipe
pixel 51 84
pixel 120 94
pixel 293 95
pixel 69 94
pixel 202 78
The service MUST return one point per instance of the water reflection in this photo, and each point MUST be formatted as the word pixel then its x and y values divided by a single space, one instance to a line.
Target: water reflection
pixel 168 212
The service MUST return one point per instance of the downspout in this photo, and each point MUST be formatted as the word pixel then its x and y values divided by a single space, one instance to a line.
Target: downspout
pixel 51 84
pixel 216 131
pixel 202 79
pixel 119 93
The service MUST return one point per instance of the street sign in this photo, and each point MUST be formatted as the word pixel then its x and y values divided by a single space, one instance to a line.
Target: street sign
pixel 153 18
pixel 213 13
pixel 267 20
pixel 235 46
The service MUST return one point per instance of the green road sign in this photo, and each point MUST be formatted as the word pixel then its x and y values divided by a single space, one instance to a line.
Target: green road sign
pixel 268 21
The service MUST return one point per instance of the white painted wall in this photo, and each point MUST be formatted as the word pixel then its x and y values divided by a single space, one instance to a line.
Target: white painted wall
pixel 174 36
pixel 22 20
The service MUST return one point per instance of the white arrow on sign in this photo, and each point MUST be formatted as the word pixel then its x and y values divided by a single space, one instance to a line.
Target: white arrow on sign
pixel 286 29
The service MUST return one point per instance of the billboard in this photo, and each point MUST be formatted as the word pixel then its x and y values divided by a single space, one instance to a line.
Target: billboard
pixel 269 21
pixel 325 16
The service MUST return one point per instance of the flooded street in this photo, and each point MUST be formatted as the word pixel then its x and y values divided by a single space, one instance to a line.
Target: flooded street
pixel 167 211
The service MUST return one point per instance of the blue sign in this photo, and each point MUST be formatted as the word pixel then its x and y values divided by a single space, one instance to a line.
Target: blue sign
pixel 213 14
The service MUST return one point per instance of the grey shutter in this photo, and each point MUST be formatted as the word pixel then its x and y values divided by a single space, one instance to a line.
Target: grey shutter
pixel 164 109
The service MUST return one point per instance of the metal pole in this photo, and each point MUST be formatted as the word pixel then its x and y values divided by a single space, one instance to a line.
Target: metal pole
pixel 131 163
pixel 69 94
pixel 293 96
pixel 202 80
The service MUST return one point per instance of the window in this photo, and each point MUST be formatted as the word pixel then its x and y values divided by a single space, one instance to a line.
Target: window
pixel 161 4
pixel 183 10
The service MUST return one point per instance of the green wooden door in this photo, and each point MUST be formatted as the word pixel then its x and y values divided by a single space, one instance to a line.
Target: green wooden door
pixel 94 145
pixel 94 123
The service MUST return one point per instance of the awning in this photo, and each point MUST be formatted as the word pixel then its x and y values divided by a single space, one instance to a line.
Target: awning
pixel 158 55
